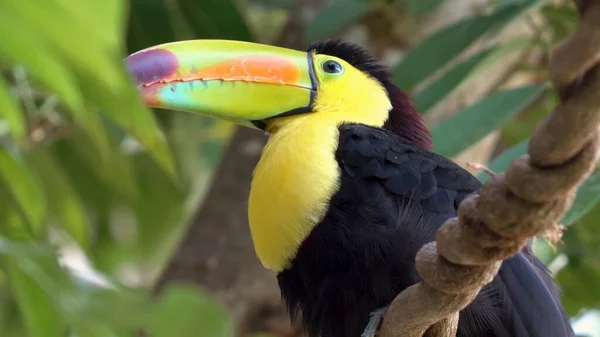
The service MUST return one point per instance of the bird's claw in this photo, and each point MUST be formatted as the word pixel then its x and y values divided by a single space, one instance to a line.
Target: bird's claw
pixel 374 321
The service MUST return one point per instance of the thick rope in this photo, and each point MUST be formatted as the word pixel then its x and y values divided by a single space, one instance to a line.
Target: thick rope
pixel 528 200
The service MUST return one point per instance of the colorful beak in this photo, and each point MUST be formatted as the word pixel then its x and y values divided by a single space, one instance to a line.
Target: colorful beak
pixel 237 81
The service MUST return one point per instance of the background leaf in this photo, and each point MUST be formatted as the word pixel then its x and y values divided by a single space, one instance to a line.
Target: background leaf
pixel 436 91
pixel 450 136
pixel 421 7
pixel 500 52
pixel 42 318
pixel 215 19
pixel 44 64
pixel 10 111
pixel 279 4
pixel 150 24
pixel 334 16
pixel 139 121
pixel 26 189
pixel 56 27
pixel 437 50
pixel 63 201
pixel 501 163
pixel 183 312
pixel 577 282
pixel 588 196
pixel 105 19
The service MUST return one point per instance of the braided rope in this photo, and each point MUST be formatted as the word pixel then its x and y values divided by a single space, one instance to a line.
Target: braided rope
pixel 528 200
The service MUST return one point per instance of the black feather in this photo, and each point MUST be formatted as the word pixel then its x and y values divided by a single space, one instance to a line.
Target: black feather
pixel 393 197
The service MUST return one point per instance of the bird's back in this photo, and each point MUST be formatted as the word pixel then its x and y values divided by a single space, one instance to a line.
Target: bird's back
pixel 393 198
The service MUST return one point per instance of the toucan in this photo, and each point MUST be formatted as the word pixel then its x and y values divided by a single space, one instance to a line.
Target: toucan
pixel 347 188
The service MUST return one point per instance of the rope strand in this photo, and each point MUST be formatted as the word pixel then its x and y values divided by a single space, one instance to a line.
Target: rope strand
pixel 528 200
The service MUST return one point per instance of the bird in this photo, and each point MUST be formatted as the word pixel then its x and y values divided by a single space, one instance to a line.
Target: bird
pixel 348 187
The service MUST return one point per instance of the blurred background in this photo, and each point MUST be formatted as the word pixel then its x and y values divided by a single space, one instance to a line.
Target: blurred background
pixel 116 219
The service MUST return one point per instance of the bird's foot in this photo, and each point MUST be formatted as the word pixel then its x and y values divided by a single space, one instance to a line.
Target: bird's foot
pixel 374 321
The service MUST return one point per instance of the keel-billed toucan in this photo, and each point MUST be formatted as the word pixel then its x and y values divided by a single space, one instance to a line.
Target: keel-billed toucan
pixel 347 189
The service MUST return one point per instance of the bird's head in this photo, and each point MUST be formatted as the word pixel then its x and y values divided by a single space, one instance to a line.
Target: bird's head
pixel 269 87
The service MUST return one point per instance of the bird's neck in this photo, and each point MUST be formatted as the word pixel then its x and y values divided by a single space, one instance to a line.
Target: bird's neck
pixel 405 121
pixel 295 179
pixel 292 184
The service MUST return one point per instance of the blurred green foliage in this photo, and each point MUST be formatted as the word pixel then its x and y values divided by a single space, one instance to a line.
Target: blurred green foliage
pixel 84 166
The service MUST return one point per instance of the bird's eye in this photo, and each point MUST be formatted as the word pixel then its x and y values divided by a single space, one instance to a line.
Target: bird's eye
pixel 332 67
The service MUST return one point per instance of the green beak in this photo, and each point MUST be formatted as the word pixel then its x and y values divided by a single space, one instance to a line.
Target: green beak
pixel 236 81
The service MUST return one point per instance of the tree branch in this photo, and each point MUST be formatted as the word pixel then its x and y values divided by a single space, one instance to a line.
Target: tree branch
pixel 528 200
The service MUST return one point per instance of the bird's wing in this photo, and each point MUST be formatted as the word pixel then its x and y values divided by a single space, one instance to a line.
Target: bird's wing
pixel 530 305
pixel 437 184
pixel 531 298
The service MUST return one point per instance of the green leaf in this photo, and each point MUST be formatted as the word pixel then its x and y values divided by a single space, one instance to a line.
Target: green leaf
pixel 185 312
pixel 463 71
pixel 91 123
pixel 97 178
pixel 43 65
pixel 37 307
pixel 109 312
pixel 128 112
pixel 96 193
pixel 104 20
pixel 47 68
pixel 579 284
pixel 199 143
pixel 524 125
pixel 18 247
pixel 501 162
pixel 22 266
pixel 215 19
pixel 149 25
pixel 500 53
pixel 113 13
pixel 10 319
pixel 443 46
pixel 335 15
pixel 562 19
pixel 544 250
pixel 450 136
pixel 89 56
pixel 26 189
pixel 96 65
pixel 583 240
pixel 10 111
pixel 159 211
pixel 421 7
pixel 63 200
pixel 588 196
pixel 450 81
pixel 281 4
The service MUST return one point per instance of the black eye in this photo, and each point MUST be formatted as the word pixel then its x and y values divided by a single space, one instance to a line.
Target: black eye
pixel 332 67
